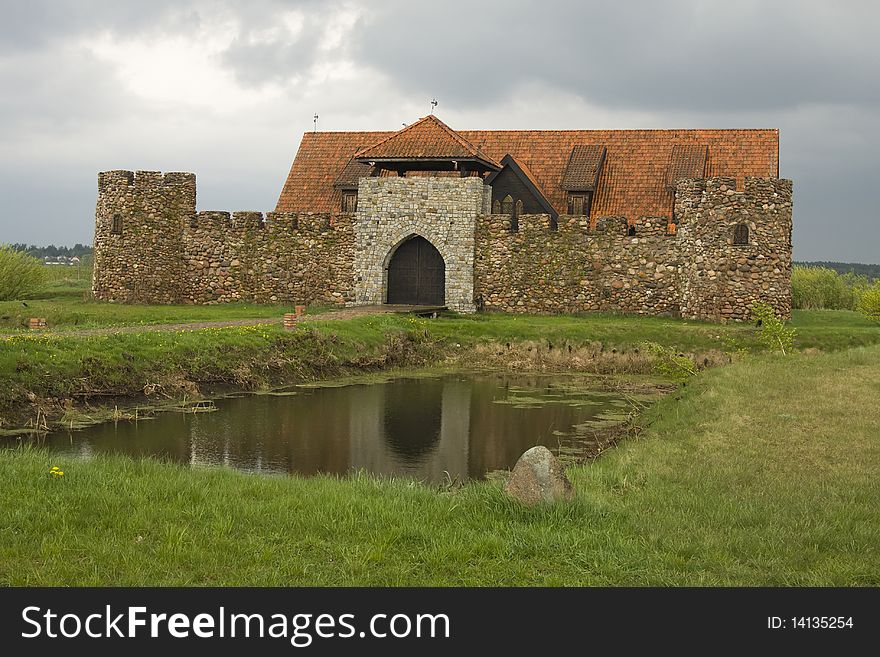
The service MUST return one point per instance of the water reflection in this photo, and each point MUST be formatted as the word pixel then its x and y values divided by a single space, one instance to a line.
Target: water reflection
pixel 421 428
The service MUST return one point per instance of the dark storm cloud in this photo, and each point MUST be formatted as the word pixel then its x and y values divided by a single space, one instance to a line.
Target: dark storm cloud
pixel 808 68
pixel 692 55
pixel 36 24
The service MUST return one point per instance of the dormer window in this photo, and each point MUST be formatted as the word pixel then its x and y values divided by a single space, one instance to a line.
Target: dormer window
pixel 579 204
pixel 581 177
pixel 349 201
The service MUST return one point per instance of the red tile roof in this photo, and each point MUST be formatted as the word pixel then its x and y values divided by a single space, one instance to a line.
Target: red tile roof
pixel 427 138
pixel 584 167
pixel 686 161
pixel 351 174
pixel 632 182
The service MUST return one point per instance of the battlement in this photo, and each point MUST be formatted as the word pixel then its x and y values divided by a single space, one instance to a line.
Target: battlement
pixel 721 250
pixel 719 192
pixel 247 220
pixel 502 224
pixel 144 180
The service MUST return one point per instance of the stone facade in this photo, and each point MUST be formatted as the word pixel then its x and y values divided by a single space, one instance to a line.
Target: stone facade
pixel 151 246
pixel 723 280
pixel 442 210
pixel 575 269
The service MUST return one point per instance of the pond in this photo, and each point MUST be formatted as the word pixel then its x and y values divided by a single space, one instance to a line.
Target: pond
pixel 430 428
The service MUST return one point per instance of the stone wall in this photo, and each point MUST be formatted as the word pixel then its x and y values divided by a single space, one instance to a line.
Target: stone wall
pixel 721 280
pixel 168 253
pixel 575 269
pixel 442 210
pixel 280 257
pixel 142 262
pixel 695 271
pixel 151 246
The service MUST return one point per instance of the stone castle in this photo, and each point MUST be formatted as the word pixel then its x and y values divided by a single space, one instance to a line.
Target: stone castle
pixel 691 223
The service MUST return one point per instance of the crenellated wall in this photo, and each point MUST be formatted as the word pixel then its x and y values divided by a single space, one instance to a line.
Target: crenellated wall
pixel 280 257
pixel 166 252
pixel 723 280
pixel 575 269
pixel 163 251
pixel 692 268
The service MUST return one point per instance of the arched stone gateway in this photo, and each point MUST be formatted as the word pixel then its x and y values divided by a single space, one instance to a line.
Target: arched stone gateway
pixel 392 212
pixel 416 274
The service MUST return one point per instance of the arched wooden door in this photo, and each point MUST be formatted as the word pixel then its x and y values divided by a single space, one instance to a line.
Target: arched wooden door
pixel 417 274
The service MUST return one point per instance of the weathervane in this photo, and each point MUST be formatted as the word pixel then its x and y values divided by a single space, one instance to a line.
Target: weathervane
pixel 315 120
pixel 433 104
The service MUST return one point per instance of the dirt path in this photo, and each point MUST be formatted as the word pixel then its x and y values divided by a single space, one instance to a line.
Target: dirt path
pixel 346 313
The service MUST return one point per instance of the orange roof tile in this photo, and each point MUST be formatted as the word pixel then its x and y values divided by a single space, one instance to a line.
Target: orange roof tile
pixel 632 182
pixel 584 166
pixel 686 161
pixel 427 138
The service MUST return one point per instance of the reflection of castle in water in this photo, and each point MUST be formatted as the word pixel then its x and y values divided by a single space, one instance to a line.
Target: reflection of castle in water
pixel 420 428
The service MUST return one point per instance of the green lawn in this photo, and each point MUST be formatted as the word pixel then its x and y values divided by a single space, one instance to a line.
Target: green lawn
pixel 761 472
pixel 824 329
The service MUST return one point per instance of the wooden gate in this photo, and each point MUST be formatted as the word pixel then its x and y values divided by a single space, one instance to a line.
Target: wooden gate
pixel 417 274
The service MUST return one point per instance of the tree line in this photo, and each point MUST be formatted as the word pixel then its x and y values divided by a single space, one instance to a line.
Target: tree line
pixel 52 251
pixel 871 272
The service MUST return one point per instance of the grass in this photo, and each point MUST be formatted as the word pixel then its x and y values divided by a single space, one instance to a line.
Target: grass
pixel 65 309
pixel 825 329
pixel 66 366
pixel 759 473
pixel 64 303
pixel 60 367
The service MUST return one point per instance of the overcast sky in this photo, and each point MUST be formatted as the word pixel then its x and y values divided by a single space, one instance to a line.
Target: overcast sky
pixel 226 90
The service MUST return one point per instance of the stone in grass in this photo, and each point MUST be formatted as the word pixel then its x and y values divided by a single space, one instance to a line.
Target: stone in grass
pixel 538 477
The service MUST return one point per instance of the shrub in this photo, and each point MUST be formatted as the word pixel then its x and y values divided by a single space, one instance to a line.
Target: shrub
pixel 869 304
pixel 771 330
pixel 20 274
pixel 669 363
pixel 815 288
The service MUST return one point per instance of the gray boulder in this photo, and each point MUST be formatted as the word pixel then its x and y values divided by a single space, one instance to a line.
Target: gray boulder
pixel 538 477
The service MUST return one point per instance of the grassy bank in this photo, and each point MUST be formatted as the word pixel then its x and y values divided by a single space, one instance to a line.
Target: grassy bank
pixel 50 373
pixel 763 472
pixel 54 373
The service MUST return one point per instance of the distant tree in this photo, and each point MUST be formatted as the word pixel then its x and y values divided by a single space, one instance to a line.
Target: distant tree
pixel 52 252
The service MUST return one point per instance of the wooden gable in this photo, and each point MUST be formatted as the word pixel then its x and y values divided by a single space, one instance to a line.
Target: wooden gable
pixel 516 181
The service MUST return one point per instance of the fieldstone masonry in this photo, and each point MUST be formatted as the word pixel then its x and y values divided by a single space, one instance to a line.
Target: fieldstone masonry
pixel 442 210
pixel 722 280
pixel 151 246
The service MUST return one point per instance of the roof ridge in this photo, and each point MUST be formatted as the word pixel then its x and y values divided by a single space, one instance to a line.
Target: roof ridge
pixel 473 150
pixel 461 141
pixel 391 136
